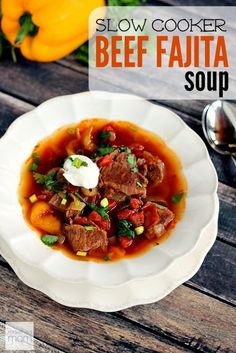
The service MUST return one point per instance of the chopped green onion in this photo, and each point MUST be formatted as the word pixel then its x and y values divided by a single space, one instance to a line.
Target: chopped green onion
pixel 177 198
pixel 63 201
pixel 88 227
pixel 139 184
pixel 33 198
pixel 161 207
pixel 81 253
pixel 49 240
pixel 104 202
pixel 139 230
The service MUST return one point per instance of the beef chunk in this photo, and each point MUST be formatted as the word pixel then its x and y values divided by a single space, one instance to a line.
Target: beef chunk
pixel 115 195
pixel 166 216
pixel 55 202
pixel 155 168
pixel 81 239
pixel 120 177
pixel 159 222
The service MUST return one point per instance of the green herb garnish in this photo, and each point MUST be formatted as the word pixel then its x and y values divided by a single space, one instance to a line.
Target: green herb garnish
pixel 49 240
pixel 101 210
pixel 124 229
pixel 161 207
pixel 36 161
pixel 132 161
pixel 36 158
pixel 177 198
pixel 125 149
pixel 33 167
pixel 49 181
pixel 77 163
pixel 139 184
pixel 103 150
pixel 103 135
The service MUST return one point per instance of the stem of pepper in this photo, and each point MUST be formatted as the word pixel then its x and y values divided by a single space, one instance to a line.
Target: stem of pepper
pixel 27 27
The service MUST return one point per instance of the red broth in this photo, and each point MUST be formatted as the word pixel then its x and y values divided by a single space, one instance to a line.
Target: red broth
pixel 67 140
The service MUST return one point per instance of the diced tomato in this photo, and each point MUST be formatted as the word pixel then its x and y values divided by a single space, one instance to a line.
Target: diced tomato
pixel 81 220
pixel 135 203
pixel 151 215
pixel 104 224
pixel 172 224
pixel 105 161
pixel 95 217
pixel 124 214
pixel 137 219
pixel 137 149
pixel 42 197
pixel 125 242
pixel 112 204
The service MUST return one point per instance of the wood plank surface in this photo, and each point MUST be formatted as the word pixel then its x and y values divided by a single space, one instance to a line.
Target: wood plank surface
pixel 75 330
pixel 183 321
pixel 35 83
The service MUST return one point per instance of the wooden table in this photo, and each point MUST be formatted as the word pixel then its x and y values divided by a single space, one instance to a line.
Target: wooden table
pixel 198 316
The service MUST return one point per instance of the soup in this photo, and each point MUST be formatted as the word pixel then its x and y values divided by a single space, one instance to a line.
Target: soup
pixel 102 190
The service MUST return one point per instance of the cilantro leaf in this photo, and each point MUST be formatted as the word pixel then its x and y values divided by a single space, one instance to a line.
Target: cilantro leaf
pixel 177 198
pixel 103 150
pixel 49 181
pixel 36 159
pixel 77 163
pixel 33 167
pixel 49 240
pixel 132 161
pixel 124 229
pixel 103 135
pixel 39 178
pixel 101 210
pixel 125 149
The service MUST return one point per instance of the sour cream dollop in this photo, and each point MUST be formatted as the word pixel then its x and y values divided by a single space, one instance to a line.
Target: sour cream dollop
pixel 81 171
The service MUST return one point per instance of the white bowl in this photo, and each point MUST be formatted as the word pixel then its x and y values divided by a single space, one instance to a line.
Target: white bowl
pixel 201 203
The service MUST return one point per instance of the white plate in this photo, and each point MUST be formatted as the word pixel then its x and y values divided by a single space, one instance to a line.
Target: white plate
pixel 202 202
pixel 145 291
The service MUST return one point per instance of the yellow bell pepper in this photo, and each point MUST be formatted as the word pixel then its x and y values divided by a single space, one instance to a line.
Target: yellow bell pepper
pixel 47 30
